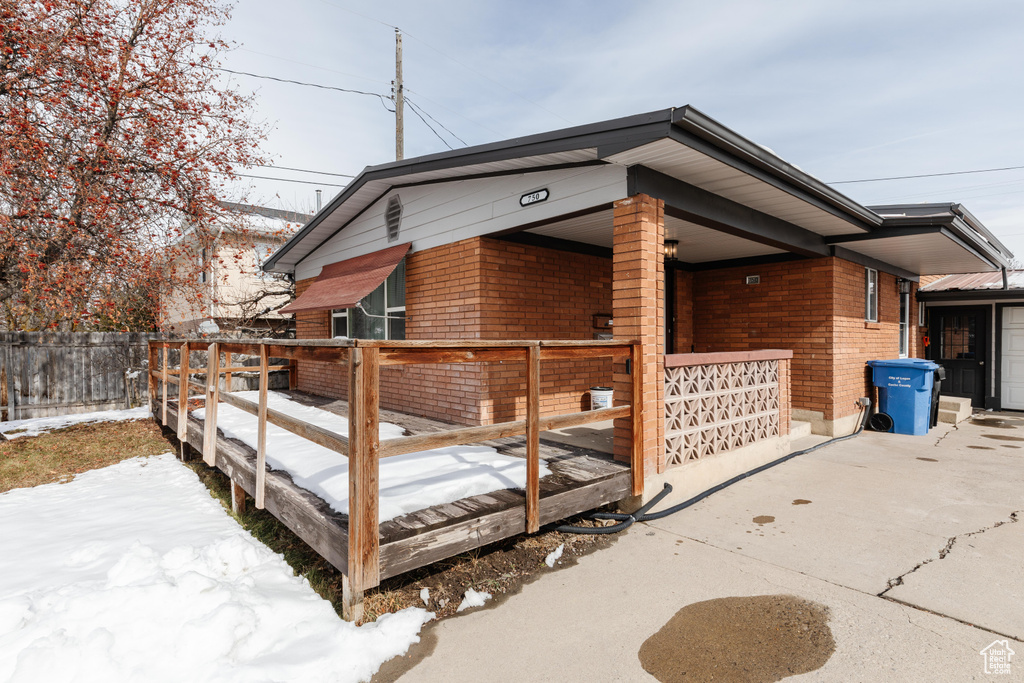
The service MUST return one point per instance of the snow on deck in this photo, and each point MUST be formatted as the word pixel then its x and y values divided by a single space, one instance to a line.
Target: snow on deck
pixel 410 482
pixel 40 425
pixel 134 573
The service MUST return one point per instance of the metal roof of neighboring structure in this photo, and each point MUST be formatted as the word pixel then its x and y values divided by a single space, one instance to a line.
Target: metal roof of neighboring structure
pixel 977 282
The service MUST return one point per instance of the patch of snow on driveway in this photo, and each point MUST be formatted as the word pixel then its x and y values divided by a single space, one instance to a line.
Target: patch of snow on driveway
pixel 134 573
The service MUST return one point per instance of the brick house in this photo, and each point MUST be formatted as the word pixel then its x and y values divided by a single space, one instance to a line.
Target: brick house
pixel 757 290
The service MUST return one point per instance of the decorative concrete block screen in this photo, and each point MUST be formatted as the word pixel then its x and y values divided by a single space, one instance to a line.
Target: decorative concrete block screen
pixel 712 408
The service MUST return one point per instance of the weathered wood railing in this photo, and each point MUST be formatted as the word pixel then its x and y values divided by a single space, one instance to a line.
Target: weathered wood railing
pixel 362 446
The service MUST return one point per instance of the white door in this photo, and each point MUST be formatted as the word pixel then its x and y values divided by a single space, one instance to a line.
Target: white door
pixel 1012 376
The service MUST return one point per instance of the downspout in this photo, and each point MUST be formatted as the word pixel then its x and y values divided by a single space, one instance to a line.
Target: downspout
pixel 1006 282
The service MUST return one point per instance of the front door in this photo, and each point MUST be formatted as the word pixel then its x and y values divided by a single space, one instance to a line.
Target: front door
pixel 960 344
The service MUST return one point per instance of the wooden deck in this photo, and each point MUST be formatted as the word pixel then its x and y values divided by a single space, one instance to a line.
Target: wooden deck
pixel 364 550
pixel 581 480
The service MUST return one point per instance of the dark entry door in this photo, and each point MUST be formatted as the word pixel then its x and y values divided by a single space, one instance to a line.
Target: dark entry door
pixel 960 344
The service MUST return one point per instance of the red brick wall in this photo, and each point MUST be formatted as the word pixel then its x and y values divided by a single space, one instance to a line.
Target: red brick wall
pixel 639 269
pixel 790 309
pixel 858 341
pixel 814 307
pixel 684 312
pixel 484 289
pixel 530 292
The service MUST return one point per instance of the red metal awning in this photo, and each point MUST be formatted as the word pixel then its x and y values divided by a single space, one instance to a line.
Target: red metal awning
pixel 344 284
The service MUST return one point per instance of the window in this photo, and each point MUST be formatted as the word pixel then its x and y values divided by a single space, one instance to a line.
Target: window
pixel 871 295
pixel 202 266
pixel 380 315
pixel 904 324
pixel 922 316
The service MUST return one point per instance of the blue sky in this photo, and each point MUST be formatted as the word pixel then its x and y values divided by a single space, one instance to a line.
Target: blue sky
pixel 845 90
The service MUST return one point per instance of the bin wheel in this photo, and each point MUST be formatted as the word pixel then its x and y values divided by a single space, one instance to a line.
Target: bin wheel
pixel 880 422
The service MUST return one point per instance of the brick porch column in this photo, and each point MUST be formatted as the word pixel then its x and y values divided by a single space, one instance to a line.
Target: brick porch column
pixel 638 307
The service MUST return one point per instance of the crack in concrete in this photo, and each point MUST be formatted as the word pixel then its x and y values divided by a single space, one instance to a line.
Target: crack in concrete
pixel 946 550
pixel 955 427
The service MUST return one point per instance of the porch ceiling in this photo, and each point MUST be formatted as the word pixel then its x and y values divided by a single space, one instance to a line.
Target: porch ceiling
pixel 697 244
pixel 926 253
pixel 675 159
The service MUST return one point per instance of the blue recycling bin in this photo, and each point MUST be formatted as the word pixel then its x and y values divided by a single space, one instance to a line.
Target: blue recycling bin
pixel 905 392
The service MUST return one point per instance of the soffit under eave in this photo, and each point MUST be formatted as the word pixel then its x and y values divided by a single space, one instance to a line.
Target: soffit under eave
pixel 935 253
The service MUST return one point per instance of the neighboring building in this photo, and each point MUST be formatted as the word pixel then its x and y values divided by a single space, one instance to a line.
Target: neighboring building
pixel 975 325
pixel 664 227
pixel 232 292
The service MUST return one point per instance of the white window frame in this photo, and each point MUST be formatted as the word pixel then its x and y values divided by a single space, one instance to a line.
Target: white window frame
pixel 870 295
pixel 904 324
pixel 922 316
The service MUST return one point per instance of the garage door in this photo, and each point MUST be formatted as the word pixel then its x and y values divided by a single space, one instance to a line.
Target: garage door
pixel 1012 380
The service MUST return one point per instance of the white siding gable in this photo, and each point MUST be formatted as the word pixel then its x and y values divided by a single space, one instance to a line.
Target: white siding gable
pixel 442 213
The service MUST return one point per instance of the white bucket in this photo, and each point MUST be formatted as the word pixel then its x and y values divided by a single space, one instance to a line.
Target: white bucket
pixel 601 397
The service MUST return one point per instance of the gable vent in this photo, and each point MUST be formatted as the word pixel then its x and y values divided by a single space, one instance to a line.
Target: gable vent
pixel 393 217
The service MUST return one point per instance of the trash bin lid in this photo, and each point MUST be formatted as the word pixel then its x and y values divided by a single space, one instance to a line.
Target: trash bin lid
pixel 917 363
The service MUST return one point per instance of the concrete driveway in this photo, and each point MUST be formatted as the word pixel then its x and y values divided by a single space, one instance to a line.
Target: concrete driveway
pixel 911 542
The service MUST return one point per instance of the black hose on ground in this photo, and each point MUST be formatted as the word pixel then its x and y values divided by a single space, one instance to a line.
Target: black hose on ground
pixel 627 520
pixel 643 515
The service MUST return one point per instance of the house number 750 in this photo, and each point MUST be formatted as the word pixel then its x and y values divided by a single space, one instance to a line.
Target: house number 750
pixel 533 197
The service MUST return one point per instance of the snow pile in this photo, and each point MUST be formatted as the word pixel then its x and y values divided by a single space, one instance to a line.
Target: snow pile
pixel 554 556
pixel 134 573
pixel 425 596
pixel 410 482
pixel 40 425
pixel 473 599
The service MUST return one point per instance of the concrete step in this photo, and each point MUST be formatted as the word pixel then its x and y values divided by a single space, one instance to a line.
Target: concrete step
pixel 798 430
pixel 954 409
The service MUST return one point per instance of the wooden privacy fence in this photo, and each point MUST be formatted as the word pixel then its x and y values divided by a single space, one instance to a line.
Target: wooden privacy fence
pixel 54 373
pixel 362 446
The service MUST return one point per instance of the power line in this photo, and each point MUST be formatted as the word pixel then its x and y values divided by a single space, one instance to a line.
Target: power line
pixel 283 180
pixel 306 170
pixel 427 114
pixel 313 66
pixel 927 175
pixel 382 98
pixel 415 110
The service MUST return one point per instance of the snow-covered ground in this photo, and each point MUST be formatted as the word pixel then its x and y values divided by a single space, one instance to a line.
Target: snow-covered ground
pixel 41 425
pixel 407 482
pixel 134 573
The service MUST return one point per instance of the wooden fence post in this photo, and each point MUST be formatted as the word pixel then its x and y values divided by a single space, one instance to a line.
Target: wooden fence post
pixel 163 381
pixel 293 374
pixel 227 372
pixel 363 503
pixel 212 398
pixel 636 401
pixel 183 399
pixel 151 363
pixel 533 438
pixel 261 431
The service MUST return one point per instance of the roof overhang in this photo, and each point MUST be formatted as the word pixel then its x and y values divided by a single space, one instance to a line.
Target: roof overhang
pixel 930 239
pixel 682 143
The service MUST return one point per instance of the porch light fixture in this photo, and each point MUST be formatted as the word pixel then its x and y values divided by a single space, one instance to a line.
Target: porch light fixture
pixel 904 285
pixel 671 250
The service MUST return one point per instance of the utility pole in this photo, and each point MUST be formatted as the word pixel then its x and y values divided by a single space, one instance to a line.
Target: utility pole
pixel 399 99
